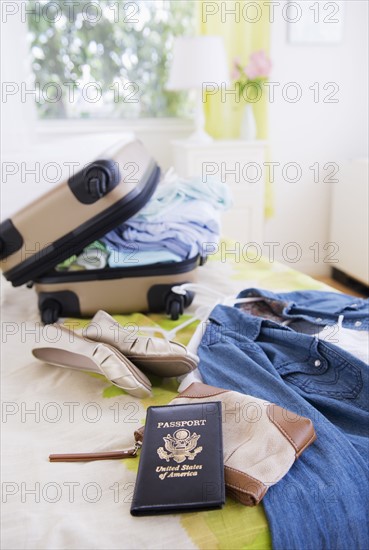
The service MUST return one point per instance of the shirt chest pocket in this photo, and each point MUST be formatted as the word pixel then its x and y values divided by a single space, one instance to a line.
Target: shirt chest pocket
pixel 325 372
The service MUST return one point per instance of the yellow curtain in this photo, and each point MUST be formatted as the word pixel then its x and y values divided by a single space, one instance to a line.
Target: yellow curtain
pixel 245 28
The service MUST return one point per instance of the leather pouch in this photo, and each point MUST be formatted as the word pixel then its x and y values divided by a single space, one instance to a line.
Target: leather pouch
pixel 261 441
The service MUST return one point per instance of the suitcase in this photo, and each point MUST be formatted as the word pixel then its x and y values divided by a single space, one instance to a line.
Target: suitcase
pixel 65 220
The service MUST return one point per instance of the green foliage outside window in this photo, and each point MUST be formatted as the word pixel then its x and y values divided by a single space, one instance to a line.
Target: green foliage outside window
pixel 105 58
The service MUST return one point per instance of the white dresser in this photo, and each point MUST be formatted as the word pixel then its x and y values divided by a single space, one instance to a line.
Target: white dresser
pixel 240 164
pixel 350 220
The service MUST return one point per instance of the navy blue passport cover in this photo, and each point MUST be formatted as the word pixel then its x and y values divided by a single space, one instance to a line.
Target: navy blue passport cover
pixel 181 463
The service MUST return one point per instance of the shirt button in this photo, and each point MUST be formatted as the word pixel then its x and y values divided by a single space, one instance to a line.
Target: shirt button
pixel 358 323
pixel 317 363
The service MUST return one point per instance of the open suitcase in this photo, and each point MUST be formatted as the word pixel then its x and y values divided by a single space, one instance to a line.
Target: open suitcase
pixel 65 220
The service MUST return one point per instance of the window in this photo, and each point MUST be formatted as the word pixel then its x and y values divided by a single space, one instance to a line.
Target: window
pixel 106 58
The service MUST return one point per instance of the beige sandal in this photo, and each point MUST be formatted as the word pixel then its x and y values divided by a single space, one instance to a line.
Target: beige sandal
pixel 65 348
pixel 155 355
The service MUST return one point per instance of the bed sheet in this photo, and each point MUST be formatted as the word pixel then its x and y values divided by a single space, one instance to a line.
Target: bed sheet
pixel 48 409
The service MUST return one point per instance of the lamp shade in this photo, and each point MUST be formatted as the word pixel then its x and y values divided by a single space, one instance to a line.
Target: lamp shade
pixel 197 59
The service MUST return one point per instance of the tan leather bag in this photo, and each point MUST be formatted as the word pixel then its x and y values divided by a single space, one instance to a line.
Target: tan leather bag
pixel 261 441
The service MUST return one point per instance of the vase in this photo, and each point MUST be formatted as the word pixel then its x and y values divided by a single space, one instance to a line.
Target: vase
pixel 248 123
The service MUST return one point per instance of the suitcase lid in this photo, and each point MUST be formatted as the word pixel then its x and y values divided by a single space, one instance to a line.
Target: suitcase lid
pixel 93 201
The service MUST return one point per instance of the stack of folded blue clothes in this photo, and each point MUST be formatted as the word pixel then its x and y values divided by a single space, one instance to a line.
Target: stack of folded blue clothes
pixel 181 217
pixel 181 220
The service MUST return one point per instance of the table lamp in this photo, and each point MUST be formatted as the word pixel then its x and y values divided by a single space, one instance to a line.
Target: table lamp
pixel 196 61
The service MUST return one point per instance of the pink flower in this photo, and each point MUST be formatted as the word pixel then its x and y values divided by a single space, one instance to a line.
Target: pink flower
pixel 235 74
pixel 259 65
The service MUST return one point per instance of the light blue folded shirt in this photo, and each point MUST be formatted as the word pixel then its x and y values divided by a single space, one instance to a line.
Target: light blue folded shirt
pixel 185 192
pixel 134 257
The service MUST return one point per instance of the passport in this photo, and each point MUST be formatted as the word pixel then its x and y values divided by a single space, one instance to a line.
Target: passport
pixel 181 462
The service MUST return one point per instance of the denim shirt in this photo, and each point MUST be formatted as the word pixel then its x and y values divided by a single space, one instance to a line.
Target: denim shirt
pixel 323 500
pixel 315 366
pixel 317 307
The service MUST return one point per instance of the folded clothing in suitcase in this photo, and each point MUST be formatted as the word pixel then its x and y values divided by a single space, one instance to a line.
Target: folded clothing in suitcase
pixel 72 215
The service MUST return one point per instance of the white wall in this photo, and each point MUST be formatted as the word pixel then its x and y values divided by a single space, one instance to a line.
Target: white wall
pixel 155 134
pixel 308 132
pixel 18 113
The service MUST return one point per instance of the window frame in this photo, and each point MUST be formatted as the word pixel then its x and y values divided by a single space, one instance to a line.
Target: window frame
pixel 141 126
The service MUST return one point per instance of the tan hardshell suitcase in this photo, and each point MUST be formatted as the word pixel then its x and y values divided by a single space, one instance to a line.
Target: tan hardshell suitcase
pixel 65 220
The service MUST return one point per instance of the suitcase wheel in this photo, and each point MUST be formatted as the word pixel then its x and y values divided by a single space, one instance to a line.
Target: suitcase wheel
pixel 50 311
pixel 175 309
pixel 176 303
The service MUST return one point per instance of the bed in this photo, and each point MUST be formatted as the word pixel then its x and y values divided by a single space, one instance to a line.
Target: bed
pixel 53 410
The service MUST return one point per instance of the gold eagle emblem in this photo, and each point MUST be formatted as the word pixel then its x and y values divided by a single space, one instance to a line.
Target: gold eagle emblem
pixel 179 446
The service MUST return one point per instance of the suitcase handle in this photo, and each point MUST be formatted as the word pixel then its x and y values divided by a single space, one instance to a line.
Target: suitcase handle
pixel 95 181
